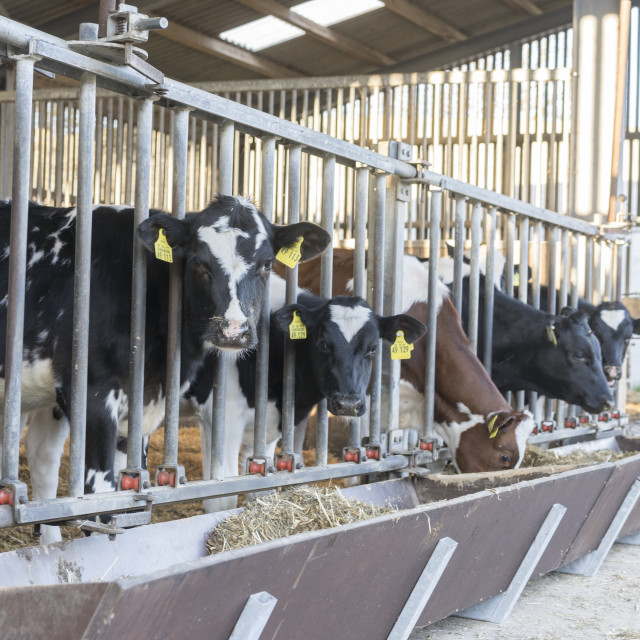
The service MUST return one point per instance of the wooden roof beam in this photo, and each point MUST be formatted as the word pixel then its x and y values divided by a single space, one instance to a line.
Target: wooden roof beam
pixel 426 20
pixel 230 52
pixel 319 32
pixel 524 6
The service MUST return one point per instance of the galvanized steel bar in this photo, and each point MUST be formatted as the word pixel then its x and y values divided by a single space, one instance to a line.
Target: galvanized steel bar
pixel 458 254
pixel 139 286
pixel 474 277
pixel 227 140
pixel 377 271
pixel 490 230
pixel 82 282
pixel 289 368
pixel 17 268
pixel 326 276
pixel 174 328
pixel 435 214
pixel 267 199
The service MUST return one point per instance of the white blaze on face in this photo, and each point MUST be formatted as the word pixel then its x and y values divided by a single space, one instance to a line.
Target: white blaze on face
pixel 222 241
pixel 613 318
pixel 349 319
pixel 451 432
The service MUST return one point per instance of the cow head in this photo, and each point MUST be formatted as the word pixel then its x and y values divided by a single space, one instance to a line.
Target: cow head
pixel 227 251
pixel 570 362
pixel 494 442
pixel 613 327
pixel 343 337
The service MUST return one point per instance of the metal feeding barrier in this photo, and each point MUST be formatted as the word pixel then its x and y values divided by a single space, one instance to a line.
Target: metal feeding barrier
pixel 214 144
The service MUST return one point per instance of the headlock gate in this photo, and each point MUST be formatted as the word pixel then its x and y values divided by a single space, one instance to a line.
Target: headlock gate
pixel 175 146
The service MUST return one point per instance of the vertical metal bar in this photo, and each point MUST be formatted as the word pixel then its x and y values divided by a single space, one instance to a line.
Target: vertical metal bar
pixel 461 209
pixel 432 311
pixel 227 140
pixel 82 281
pixel 59 152
pixel 490 228
pixel 523 287
pixel 289 369
pixel 174 329
pixel 326 277
pixel 139 286
pixel 267 198
pixel 17 267
pixel 128 170
pixel 474 277
pixel 378 301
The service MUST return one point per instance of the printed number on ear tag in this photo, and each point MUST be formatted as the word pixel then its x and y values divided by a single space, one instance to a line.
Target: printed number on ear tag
pixel 163 250
pixel 290 255
pixel 401 349
pixel 493 429
pixel 297 328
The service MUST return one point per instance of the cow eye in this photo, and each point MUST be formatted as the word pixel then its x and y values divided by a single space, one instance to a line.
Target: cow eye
pixel 324 347
pixel 580 355
pixel 195 262
pixel 372 352
pixel 506 458
pixel 267 265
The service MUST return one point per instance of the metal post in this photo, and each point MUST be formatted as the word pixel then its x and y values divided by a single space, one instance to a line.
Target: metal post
pixel 139 286
pixel 377 271
pixel 326 273
pixel 490 230
pixel 82 280
pixel 432 312
pixel 289 370
pixel 458 255
pixel 174 329
pixel 17 267
pixel 267 197
pixel 474 278
pixel 254 617
pixel 227 135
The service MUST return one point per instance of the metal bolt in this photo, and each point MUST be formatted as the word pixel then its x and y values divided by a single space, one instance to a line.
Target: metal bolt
pixel 183 480
pixel 146 484
pixel 299 465
pixel 22 499
pixel 272 469
pixel 121 26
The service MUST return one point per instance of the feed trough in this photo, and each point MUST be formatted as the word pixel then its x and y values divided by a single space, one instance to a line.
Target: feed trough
pixel 479 536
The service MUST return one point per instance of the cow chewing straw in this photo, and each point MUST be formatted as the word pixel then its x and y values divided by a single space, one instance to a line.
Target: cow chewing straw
pixel 287 512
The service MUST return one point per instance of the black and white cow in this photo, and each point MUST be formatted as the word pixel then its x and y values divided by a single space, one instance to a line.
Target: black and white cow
pixel 333 362
pixel 227 249
pixel 532 350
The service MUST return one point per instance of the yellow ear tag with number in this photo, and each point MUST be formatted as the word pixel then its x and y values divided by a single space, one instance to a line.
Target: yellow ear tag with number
pixel 163 250
pixel 290 255
pixel 297 328
pixel 551 335
pixel 401 349
pixel 493 430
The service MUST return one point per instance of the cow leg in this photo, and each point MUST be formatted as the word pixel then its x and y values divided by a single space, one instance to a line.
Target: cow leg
pixel 101 438
pixel 299 433
pixel 44 444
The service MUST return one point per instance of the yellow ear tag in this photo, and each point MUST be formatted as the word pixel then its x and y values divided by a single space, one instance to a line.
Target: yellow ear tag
pixel 551 335
pixel 493 430
pixel 516 279
pixel 163 250
pixel 297 328
pixel 401 349
pixel 290 255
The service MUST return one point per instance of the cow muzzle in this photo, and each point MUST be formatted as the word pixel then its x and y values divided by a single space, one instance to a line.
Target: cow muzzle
pixel 613 374
pixel 352 405
pixel 233 335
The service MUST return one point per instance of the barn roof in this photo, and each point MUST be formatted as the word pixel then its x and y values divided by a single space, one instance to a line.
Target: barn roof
pixel 399 35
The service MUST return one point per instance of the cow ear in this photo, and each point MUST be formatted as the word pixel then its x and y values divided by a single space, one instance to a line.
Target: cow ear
pixel 175 231
pixel 636 326
pixel 567 311
pixel 283 317
pixel 316 239
pixel 389 325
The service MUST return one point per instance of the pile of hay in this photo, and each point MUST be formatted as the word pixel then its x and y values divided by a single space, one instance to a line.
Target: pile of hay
pixel 286 512
pixel 537 457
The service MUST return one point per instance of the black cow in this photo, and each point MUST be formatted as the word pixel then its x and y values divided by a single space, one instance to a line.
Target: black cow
pixel 555 355
pixel 333 362
pixel 227 249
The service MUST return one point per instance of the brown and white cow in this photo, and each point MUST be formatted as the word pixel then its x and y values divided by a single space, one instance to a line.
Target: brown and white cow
pixel 469 409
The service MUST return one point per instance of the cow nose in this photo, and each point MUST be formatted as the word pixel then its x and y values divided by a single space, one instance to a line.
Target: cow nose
pixel 613 372
pixel 234 330
pixel 347 405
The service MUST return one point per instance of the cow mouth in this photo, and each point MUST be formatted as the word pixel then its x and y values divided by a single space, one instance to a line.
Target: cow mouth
pixel 345 405
pixel 230 339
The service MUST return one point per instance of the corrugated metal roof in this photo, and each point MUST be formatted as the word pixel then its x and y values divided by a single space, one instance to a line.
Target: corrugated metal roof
pixel 382 30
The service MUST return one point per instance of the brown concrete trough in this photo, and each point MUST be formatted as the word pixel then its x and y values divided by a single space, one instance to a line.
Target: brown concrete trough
pixel 349 582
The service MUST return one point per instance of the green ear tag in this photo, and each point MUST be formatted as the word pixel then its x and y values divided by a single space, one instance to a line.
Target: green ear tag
pixel 493 430
pixel 551 335
pixel 297 328
pixel 290 255
pixel 401 349
pixel 163 250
